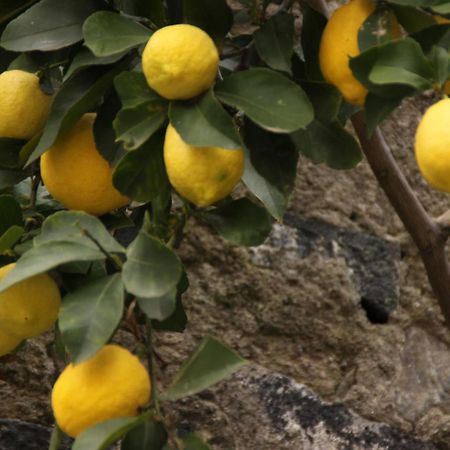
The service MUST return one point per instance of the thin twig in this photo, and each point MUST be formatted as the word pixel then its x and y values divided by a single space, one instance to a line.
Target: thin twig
pixel 151 366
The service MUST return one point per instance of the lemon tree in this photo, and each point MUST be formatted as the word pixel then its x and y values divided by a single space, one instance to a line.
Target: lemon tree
pixel 125 122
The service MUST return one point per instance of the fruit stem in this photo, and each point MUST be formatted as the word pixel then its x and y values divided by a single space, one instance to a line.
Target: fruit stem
pixel 55 439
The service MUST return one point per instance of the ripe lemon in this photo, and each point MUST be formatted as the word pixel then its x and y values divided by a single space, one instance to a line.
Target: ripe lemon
pixel 113 383
pixel 180 61
pixel 77 175
pixel 202 175
pixel 433 145
pixel 29 307
pixel 8 342
pixel 340 42
pixel 24 107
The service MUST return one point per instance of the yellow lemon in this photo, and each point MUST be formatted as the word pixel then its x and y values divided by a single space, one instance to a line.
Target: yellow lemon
pixel 24 107
pixel 340 42
pixel 8 342
pixel 180 61
pixel 29 307
pixel 202 175
pixel 433 145
pixel 77 175
pixel 113 383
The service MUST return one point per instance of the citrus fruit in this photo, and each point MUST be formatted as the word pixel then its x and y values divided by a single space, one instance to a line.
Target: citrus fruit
pixel 180 61
pixel 112 383
pixel 432 145
pixel 30 307
pixel 24 107
pixel 340 42
pixel 202 175
pixel 77 175
pixel 8 342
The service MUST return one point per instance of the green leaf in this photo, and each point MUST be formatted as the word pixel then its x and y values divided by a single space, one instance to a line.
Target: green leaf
pixel 10 237
pixel 441 64
pixel 377 29
pixel 376 109
pixel 274 42
pixel 10 8
pixel 148 436
pixel 48 256
pixel 77 227
pixel 85 58
pixel 214 17
pixel 10 213
pixel 101 436
pixel 134 91
pixel 325 98
pixel 193 442
pixel 210 363
pixel 151 269
pixel 268 98
pixel 108 33
pixel 89 316
pixel 75 98
pixel 151 9
pixel 270 168
pixel 48 26
pixel 141 174
pixel 9 152
pixel 159 308
pixel 435 35
pixel 104 133
pixel 394 69
pixel 204 123
pixel 241 221
pixel 135 126
pixel 328 143
pixel 311 34
pixel 11 177
pixel 412 19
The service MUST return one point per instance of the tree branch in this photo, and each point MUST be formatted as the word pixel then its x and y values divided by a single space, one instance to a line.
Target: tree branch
pixel 428 235
pixel 425 233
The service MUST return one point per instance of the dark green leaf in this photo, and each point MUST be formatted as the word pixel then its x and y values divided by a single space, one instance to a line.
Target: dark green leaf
pixel 10 213
pixel 442 8
pixel 104 133
pixel 151 9
pixel 270 168
pixel 75 98
pixel 274 42
pixel 141 174
pixel 134 91
pixel 148 436
pixel 441 64
pixel 101 436
pixel 10 237
pixel 328 143
pixel 204 123
pixel 25 62
pixel 311 34
pixel 159 308
pixel 11 8
pixel 89 316
pixel 412 19
pixel 376 109
pixel 108 33
pixel 151 269
pixel 192 442
pixel 11 177
pixel 85 58
pixel 48 26
pixel 325 98
pixel 213 17
pixel 135 126
pixel 435 35
pixel 210 363
pixel 9 152
pixel 268 98
pixel 241 221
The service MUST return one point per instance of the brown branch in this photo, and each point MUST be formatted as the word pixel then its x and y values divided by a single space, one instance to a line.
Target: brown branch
pixel 425 233
pixel 428 235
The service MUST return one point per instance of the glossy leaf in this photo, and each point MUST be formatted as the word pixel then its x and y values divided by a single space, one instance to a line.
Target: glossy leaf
pixel 213 17
pixel 150 435
pixel 108 33
pixel 274 42
pixel 10 177
pixel 377 109
pixel 159 308
pixel 270 167
pixel 10 237
pixel 75 98
pixel 210 363
pixel 241 221
pixel 412 19
pixel 9 152
pixel 151 9
pixel 268 98
pixel 89 316
pixel 141 174
pixel 48 26
pixel 151 269
pixel 11 8
pixel 193 442
pixel 204 123
pixel 135 126
pixel 10 213
pixel 435 35
pixel 101 436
